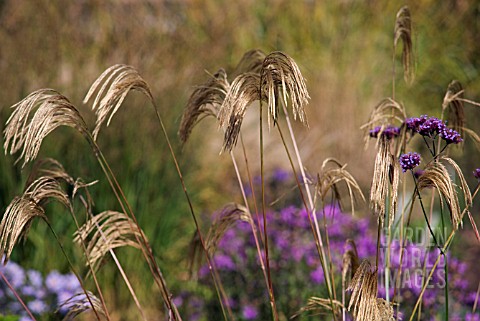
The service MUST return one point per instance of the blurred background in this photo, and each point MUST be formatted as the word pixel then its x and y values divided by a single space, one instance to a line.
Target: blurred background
pixel 343 48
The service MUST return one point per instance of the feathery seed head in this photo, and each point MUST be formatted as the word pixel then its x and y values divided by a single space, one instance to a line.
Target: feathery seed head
pixel 119 79
pixel 205 100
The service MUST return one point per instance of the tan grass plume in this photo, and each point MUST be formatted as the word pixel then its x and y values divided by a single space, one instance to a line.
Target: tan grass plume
pixel 251 61
pixel 230 215
pixel 244 91
pixel 20 213
pixel 79 303
pixel 104 232
pixel 403 32
pixel 329 178
pixel 436 175
pixel 16 223
pixel 280 76
pixel 319 306
pixel 120 80
pixel 205 100
pixel 453 104
pixel 366 305
pixel 25 132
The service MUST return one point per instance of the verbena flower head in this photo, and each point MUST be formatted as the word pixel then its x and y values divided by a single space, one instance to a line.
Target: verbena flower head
pixel 450 136
pixel 389 132
pixel 476 173
pixel 414 123
pixel 409 161
pixel 431 127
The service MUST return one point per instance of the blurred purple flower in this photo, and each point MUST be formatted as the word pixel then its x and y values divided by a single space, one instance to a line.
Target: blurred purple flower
pixel 37 306
pixel 249 312
pixel 316 276
pixel 476 173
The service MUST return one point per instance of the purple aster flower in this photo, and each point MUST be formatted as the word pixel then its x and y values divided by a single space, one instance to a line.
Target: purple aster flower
pixel 280 175
pixel 249 312
pixel 450 136
pixel 476 173
pixel 37 306
pixel 409 161
pixel 14 274
pixel 54 281
pixel 35 278
pixel 472 316
pixel 317 275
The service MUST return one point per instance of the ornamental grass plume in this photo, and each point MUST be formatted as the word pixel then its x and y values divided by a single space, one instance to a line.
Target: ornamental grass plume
pixel 25 132
pixel 280 73
pixel 453 104
pixel 364 287
pixel 80 303
pixel 205 101
pixel 278 77
pixel 403 32
pixel 316 306
pixel 104 232
pixel 251 61
pixel 385 173
pixel 329 178
pixel 16 223
pixel 120 80
pixel 436 175
pixel 244 91
pixel 19 215
pixel 229 215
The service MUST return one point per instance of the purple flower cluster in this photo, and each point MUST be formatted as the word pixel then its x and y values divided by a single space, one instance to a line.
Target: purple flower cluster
pixel 40 295
pixel 297 273
pixel 476 173
pixel 389 132
pixel 409 161
pixel 433 127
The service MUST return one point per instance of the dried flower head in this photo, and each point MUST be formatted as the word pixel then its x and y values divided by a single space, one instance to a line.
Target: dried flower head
pixel 251 61
pixel 119 79
pixel 364 289
pixel 329 178
pixel 436 175
pixel 80 303
pixel 16 222
pixel 244 91
pixel 452 102
pixel 104 232
pixel 409 161
pixel 280 73
pixel 205 100
pixel 403 31
pixel 25 132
